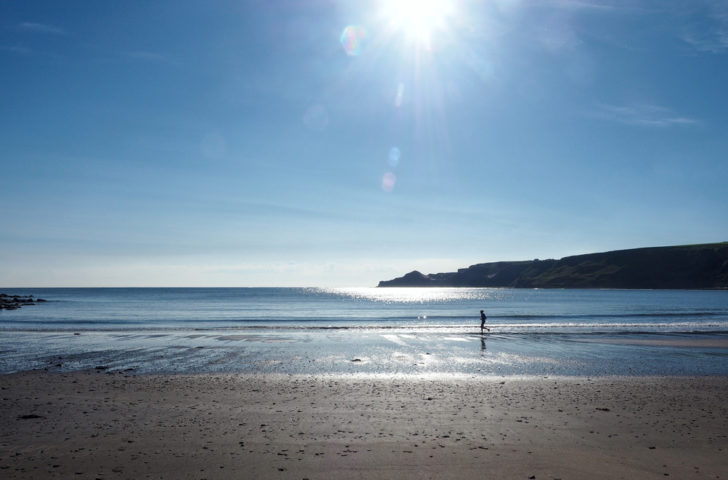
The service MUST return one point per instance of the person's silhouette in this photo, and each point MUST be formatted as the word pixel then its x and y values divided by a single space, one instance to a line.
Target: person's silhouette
pixel 482 322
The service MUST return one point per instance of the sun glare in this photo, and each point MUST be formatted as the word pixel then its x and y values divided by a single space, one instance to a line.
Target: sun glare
pixel 418 19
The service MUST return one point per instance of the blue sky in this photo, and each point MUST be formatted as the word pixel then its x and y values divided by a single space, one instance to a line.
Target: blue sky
pixel 256 143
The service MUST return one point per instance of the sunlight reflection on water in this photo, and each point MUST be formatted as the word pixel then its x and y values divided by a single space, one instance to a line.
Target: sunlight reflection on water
pixel 417 295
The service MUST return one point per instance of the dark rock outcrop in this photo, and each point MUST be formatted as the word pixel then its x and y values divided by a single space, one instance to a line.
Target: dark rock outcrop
pixel 679 267
pixel 13 302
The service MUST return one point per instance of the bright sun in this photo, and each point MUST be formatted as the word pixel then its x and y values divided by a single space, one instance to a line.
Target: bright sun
pixel 418 19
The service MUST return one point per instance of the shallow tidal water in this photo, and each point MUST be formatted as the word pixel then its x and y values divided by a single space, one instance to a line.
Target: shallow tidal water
pixel 369 331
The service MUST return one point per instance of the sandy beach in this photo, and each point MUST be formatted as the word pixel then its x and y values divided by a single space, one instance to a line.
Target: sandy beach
pixel 110 425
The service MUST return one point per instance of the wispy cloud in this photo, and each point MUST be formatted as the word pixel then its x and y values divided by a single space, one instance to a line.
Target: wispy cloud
pixel 642 115
pixel 41 28
pixel 562 27
pixel 583 5
pixel 715 41
pixel 710 34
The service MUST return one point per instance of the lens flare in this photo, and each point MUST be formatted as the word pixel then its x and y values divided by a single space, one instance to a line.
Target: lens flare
pixel 388 181
pixel 353 39
pixel 400 95
pixel 394 155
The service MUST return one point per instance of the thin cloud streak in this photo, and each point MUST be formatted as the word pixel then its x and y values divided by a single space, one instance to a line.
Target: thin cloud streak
pixel 642 115
pixel 16 49
pixel 600 6
pixel 41 28
pixel 583 5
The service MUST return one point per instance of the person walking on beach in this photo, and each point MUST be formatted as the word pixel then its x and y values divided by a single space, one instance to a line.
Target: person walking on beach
pixel 482 322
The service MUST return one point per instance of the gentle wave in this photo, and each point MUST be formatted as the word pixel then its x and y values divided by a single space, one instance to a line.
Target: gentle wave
pixel 393 318
pixel 500 328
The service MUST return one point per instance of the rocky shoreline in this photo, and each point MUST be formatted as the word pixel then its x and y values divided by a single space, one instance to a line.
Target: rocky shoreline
pixel 14 302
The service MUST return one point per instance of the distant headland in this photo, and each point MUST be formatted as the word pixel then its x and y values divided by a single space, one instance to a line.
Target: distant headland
pixel 702 266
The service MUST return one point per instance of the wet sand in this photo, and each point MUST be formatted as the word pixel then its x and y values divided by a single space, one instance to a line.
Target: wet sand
pixel 703 342
pixel 109 425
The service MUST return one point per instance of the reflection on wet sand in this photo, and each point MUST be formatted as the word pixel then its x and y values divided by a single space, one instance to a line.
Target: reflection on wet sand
pixel 416 352
pixel 698 342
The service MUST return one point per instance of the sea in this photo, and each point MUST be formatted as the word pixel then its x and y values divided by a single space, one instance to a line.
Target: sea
pixel 390 332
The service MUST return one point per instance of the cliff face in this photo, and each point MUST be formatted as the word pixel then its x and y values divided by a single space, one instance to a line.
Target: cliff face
pixel 685 267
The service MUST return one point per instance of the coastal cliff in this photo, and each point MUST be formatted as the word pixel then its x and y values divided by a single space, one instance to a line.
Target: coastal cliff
pixel 678 267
